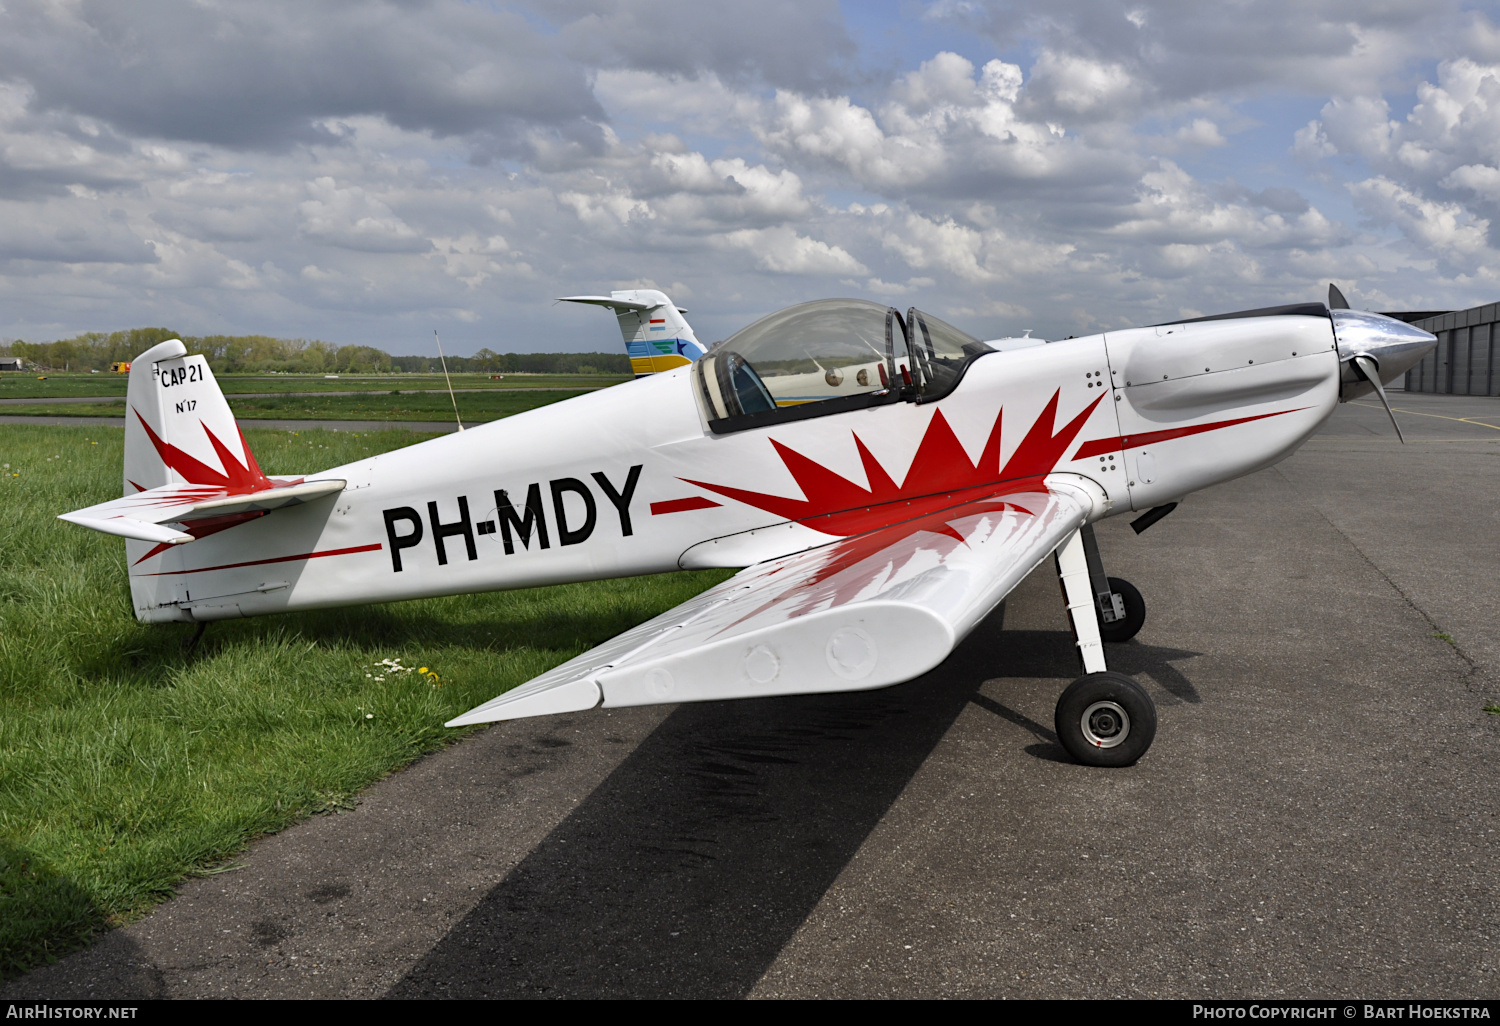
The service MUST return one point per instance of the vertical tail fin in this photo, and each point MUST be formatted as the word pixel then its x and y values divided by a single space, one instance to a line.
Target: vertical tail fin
pixel 657 336
pixel 179 428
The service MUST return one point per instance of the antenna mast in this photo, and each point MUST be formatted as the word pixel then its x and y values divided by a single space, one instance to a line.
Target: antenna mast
pixel 447 379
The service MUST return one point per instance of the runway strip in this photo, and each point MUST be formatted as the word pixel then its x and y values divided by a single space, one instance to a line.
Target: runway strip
pixel 1318 816
pixel 33 401
pixel 438 426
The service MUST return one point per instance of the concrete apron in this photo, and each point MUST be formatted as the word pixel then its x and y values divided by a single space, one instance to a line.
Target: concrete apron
pixel 1317 816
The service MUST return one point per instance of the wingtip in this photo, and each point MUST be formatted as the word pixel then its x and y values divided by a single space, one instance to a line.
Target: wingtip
pixel 573 696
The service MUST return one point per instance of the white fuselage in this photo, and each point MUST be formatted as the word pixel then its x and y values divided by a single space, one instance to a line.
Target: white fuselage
pixel 1155 405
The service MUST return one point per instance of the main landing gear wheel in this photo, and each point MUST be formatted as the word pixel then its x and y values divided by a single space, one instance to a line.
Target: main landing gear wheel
pixel 1105 719
pixel 1135 613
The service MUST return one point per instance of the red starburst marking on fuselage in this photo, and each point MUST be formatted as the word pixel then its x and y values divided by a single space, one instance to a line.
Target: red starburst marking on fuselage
pixel 941 475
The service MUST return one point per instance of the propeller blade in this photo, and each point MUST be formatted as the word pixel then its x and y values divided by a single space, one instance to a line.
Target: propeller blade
pixel 1371 372
pixel 1336 300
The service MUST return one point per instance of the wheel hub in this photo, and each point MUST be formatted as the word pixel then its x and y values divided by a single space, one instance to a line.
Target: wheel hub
pixel 1105 724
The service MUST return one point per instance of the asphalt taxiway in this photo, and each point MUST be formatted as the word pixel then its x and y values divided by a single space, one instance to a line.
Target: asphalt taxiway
pixel 1317 818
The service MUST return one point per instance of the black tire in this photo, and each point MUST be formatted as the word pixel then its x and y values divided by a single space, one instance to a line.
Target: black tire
pixel 1135 613
pixel 1100 708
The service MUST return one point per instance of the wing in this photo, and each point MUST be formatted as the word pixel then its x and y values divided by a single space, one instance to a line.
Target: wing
pixel 143 515
pixel 865 612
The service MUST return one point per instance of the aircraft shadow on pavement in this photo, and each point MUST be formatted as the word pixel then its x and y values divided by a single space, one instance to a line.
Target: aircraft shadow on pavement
pixel 1051 654
pixel 1043 654
pixel 43 911
pixel 689 869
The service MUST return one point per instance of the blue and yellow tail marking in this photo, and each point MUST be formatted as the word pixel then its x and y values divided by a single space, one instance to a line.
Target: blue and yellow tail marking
pixel 652 356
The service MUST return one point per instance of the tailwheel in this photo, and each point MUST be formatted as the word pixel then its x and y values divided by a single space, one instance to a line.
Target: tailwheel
pixel 1105 719
pixel 1125 608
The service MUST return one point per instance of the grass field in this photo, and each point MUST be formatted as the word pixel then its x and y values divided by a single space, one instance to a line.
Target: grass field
pixel 474 407
pixel 126 764
pixel 60 385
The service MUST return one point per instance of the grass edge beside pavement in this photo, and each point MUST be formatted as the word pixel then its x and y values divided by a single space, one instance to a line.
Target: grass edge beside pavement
pixel 127 765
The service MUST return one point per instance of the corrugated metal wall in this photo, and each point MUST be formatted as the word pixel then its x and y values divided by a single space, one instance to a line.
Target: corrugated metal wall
pixel 1466 360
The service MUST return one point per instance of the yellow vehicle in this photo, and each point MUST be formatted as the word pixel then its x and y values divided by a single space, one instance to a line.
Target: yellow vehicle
pixel 120 367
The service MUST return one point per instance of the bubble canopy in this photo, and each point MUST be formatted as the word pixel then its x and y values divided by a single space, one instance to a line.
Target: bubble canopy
pixel 828 356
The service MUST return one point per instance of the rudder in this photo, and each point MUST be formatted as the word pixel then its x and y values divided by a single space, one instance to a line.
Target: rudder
pixel 179 428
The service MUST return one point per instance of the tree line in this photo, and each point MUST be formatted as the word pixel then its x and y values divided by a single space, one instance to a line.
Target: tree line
pixel 97 350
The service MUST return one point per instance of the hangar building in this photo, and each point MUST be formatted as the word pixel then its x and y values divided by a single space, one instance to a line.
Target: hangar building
pixel 1467 358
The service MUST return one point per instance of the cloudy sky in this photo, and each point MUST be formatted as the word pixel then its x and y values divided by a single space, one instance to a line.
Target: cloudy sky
pixel 370 171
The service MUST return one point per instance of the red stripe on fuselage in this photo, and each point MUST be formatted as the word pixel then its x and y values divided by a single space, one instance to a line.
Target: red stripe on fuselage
pixel 1100 446
pixel 277 559
pixel 682 505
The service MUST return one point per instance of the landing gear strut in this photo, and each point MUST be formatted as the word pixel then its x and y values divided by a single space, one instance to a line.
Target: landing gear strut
pixel 1103 718
pixel 1122 611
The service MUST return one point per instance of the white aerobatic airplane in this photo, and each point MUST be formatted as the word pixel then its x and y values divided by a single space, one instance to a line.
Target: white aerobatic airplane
pixel 885 481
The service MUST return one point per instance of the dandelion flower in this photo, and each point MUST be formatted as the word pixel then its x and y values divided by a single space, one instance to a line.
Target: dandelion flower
pixel 421 669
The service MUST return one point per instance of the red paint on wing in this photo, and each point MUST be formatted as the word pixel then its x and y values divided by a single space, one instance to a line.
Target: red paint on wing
pixel 826 585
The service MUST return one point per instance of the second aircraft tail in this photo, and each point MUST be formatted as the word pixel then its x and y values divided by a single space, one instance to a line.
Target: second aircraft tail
pixel 657 336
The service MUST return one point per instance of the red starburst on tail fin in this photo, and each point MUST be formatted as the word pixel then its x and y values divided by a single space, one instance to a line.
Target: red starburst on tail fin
pixel 237 478
pixel 941 474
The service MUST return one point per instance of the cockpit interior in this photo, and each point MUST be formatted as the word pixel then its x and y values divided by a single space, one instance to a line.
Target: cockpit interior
pixel 829 356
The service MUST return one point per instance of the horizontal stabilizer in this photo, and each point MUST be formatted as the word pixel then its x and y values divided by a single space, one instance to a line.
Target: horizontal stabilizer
pixel 127 528
pixel 613 304
pixel 141 515
pixel 859 613
pixel 272 498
